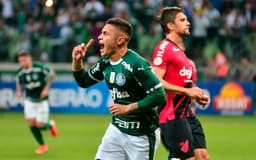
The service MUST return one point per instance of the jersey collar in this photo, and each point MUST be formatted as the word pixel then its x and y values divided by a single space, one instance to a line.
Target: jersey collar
pixel 175 44
pixel 116 62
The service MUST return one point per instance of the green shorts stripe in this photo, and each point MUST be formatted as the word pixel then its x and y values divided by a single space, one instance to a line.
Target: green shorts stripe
pixel 152 144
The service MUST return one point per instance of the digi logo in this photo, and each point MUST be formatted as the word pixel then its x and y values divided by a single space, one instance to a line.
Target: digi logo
pixel 186 72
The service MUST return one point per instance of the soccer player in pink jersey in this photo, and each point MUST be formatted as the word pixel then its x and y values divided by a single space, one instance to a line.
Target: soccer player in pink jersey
pixel 175 71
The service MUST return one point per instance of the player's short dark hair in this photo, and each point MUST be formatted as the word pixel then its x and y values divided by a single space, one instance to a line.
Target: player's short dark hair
pixel 123 25
pixel 168 14
pixel 24 53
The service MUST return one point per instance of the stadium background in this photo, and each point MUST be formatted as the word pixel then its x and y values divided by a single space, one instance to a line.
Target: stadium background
pixel 50 30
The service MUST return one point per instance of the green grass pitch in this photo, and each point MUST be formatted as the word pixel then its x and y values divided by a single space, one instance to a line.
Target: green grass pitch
pixel 228 138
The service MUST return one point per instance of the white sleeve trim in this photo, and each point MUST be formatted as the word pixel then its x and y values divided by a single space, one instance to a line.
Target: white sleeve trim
pixel 154 88
pixel 91 76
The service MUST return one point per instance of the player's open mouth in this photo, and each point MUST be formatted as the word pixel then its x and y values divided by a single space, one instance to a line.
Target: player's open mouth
pixel 101 47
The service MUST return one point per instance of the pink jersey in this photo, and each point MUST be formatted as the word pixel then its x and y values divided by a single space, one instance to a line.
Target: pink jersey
pixel 179 71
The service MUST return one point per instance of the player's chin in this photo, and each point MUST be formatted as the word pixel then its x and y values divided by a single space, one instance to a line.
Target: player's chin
pixel 186 33
pixel 102 53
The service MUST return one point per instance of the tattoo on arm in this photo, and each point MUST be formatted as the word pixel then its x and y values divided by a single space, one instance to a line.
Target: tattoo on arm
pixel 133 107
pixel 77 65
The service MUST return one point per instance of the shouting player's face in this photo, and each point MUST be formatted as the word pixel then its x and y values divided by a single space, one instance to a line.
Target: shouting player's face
pixel 181 25
pixel 108 40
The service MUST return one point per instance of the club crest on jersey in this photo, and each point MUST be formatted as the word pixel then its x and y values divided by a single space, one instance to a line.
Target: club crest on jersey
pixel 35 76
pixel 120 79
pixel 158 61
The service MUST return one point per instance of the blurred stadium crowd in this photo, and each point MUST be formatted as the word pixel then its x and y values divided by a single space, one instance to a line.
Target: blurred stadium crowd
pixel 50 28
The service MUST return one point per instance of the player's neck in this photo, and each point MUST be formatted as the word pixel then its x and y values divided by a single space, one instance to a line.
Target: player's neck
pixel 28 66
pixel 178 40
pixel 120 52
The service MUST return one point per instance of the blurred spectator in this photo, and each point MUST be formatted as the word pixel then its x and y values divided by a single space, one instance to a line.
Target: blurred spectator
pixel 62 17
pixel 153 37
pixel 52 28
pixel 119 6
pixel 253 4
pixel 32 28
pixel 66 33
pixel 200 24
pixel 233 70
pixel 7 11
pixel 213 16
pixel 236 23
pixel 223 36
pixel 247 71
pixel 144 11
pixel 250 15
pixel 4 40
pixel 221 66
pixel 48 14
pixel 107 13
pixel 95 32
pixel 93 9
pixel 23 44
pixel 189 7
pixel 210 70
pixel 133 44
pixel 22 17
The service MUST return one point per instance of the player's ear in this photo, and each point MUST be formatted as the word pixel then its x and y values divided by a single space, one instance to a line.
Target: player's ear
pixel 170 26
pixel 121 40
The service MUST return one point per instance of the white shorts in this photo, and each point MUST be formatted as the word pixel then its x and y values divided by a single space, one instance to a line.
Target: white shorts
pixel 38 110
pixel 117 145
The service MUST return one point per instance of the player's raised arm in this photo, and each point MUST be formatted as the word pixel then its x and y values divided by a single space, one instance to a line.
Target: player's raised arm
pixel 78 54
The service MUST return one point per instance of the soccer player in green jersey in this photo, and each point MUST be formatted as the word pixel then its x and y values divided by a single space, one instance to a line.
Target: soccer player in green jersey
pixel 136 91
pixel 36 79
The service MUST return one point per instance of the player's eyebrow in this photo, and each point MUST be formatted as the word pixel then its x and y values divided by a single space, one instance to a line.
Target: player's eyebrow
pixel 183 19
pixel 104 32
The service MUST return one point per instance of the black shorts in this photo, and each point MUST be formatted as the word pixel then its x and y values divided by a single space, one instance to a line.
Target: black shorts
pixel 197 132
pixel 177 136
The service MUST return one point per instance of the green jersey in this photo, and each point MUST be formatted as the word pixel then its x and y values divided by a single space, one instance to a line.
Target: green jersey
pixel 129 80
pixel 34 80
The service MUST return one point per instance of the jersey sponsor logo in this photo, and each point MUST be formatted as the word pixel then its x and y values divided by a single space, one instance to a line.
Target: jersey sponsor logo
pixel 162 48
pixel 33 85
pixel 127 66
pixel 186 72
pixel 120 79
pixel 105 60
pixel 158 61
pixel 118 94
pixel 127 125
pixel 112 77
pixel 96 68
pixel 141 68
pixel 28 78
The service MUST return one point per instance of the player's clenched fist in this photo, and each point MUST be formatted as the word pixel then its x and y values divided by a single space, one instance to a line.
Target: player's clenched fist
pixel 80 50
